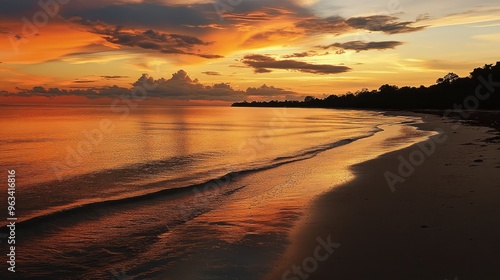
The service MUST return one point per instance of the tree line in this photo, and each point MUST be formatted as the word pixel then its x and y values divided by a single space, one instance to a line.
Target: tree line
pixel 479 90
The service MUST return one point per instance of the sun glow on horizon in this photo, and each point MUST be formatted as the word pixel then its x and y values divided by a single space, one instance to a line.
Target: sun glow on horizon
pixel 298 48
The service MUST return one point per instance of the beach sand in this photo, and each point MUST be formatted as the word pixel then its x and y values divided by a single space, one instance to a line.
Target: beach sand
pixel 442 222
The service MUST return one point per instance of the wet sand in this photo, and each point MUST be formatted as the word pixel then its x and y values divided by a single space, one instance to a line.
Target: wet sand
pixel 442 222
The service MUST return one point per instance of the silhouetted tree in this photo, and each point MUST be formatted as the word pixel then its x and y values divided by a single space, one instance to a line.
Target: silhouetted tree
pixel 308 99
pixel 448 78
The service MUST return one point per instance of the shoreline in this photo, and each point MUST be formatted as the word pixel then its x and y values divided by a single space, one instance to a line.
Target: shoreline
pixel 282 213
pixel 235 231
pixel 258 226
pixel 438 224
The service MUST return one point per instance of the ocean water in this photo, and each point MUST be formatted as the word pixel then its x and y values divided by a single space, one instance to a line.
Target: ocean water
pixel 174 192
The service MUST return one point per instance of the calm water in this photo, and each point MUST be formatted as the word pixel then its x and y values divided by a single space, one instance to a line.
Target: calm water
pixel 103 194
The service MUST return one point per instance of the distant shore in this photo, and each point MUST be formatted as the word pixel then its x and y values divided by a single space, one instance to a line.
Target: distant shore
pixel 440 222
pixel 476 91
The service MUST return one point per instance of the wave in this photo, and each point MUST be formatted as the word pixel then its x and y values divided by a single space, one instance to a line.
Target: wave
pixel 219 182
pixel 315 150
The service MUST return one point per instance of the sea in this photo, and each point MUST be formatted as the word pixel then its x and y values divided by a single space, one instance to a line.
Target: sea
pixel 184 192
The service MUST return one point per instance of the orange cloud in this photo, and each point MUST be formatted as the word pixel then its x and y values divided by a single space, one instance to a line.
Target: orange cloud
pixel 41 44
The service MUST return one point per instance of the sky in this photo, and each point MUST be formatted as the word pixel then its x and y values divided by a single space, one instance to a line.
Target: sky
pixel 218 52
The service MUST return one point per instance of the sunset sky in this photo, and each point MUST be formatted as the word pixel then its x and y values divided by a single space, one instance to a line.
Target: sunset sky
pixel 232 50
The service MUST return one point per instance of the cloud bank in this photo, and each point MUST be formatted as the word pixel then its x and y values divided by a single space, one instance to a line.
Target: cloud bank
pixel 179 87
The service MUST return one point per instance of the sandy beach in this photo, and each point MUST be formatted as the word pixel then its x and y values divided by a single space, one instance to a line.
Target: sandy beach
pixel 441 222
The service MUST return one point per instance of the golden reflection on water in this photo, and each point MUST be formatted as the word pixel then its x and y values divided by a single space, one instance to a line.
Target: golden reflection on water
pixel 71 139
pixel 256 209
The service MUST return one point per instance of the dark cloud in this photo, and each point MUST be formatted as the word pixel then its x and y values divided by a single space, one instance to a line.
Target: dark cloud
pixel 359 46
pixel 305 54
pixel 83 81
pixel 262 70
pixel 383 23
pixel 263 64
pixel 332 25
pixel 155 14
pixel 337 25
pixel 211 73
pixel 179 87
pixel 206 26
pixel 264 12
pixel 183 17
pixel 209 56
pixel 113 77
pixel 141 15
pixel 192 18
pixel 302 54
pixel 167 43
